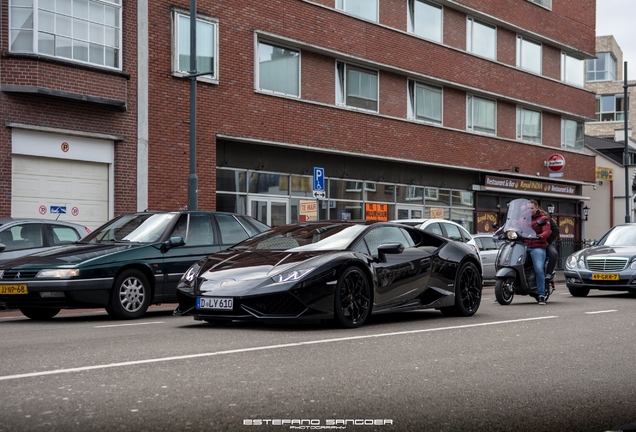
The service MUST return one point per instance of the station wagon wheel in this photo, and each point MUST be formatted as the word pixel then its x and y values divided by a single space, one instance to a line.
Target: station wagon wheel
pixel 130 296
pixel 505 290
pixel 39 314
pixel 352 299
pixel 468 286
pixel 579 292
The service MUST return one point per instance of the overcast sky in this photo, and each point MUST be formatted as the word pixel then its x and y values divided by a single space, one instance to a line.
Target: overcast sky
pixel 618 18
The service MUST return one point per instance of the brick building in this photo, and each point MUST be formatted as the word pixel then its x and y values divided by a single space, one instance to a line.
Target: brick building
pixel 412 108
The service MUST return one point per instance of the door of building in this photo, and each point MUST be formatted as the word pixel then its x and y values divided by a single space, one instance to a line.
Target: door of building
pixel 269 210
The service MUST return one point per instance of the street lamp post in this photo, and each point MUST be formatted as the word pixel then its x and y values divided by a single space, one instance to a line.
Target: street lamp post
pixel 586 212
pixel 550 209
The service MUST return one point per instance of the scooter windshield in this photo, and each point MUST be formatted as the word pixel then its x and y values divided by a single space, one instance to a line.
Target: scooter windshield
pixel 519 218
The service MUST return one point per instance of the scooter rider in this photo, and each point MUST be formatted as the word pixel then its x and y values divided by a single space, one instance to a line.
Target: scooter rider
pixel 537 247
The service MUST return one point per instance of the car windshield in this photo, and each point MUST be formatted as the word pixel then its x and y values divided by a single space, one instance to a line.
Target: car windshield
pixel 623 235
pixel 138 228
pixel 305 237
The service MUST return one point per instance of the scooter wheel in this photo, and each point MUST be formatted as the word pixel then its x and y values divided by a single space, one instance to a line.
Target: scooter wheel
pixel 505 290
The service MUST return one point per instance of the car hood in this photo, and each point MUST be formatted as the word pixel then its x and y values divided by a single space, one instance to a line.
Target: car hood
pixel 71 255
pixel 250 273
pixel 612 251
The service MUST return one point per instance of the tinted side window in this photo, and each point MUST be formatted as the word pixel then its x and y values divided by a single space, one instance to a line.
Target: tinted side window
pixel 252 225
pixel 64 234
pixel 200 230
pixel 29 235
pixel 383 235
pixel 434 228
pixel 231 230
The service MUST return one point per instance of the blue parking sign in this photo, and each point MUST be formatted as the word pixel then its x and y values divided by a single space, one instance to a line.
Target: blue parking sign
pixel 319 179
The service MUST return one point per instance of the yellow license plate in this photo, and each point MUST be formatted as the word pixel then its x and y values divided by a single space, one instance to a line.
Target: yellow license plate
pixel 604 276
pixel 14 289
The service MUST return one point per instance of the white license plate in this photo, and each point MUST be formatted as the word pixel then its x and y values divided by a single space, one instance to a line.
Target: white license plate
pixel 215 303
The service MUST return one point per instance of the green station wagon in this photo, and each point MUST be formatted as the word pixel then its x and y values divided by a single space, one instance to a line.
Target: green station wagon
pixel 126 265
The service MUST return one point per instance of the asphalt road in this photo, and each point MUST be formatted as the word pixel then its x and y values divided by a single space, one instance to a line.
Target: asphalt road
pixel 567 366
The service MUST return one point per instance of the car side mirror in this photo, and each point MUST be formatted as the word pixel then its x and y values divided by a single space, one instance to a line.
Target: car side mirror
pixel 174 242
pixel 390 248
pixel 2 247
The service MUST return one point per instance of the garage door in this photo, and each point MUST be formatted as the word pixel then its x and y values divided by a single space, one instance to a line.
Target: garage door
pixel 63 189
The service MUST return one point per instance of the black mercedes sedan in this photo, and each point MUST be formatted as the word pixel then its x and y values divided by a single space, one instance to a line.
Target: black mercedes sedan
pixel 127 264
pixel 333 270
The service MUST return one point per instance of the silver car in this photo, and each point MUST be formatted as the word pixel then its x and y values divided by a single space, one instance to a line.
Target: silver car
pixel 609 264
pixel 20 237
pixel 488 250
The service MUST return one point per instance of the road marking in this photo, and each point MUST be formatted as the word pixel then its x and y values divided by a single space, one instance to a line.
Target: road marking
pixel 261 348
pixel 125 325
pixel 598 312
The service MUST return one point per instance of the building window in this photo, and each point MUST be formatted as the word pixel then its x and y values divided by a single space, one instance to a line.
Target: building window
pixel 528 55
pixel 544 3
pixel 528 125
pixel 425 102
pixel 425 19
pixel 572 135
pixel 572 70
pixel 87 31
pixel 367 9
pixel 602 68
pixel 207 47
pixel 610 108
pixel 480 115
pixel 356 87
pixel 481 39
pixel 278 69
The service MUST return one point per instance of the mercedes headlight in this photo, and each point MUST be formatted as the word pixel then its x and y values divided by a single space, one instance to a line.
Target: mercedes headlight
pixel 58 273
pixel 292 276
pixel 570 263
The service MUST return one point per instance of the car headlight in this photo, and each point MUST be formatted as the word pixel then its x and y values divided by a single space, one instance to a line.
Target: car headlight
pixel 570 263
pixel 511 235
pixel 191 273
pixel 632 265
pixel 292 276
pixel 58 273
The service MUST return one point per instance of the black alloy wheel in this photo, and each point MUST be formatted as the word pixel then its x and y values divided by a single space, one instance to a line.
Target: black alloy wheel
pixel 352 299
pixel 468 287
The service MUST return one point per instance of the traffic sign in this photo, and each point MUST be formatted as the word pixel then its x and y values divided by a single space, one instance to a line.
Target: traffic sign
pixel 556 162
pixel 319 179
pixel 320 194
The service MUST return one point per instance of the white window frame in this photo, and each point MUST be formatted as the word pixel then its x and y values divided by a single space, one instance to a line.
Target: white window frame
pixel 572 145
pixel 84 33
pixel 609 71
pixel 470 115
pixel 342 87
pixel 414 102
pixel 618 115
pixel 422 29
pixel 259 85
pixel 522 42
pixel 431 193
pixel 201 20
pixel 543 3
pixel 473 46
pixel 348 5
pixel 566 69
pixel 521 136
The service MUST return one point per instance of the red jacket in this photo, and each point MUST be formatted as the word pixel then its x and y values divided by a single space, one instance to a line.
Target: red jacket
pixel 543 231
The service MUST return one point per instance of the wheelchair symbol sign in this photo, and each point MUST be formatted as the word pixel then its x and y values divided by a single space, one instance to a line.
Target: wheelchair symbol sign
pixel 319 179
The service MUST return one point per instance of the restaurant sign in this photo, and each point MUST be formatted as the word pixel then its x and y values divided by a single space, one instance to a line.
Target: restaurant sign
pixel 529 185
